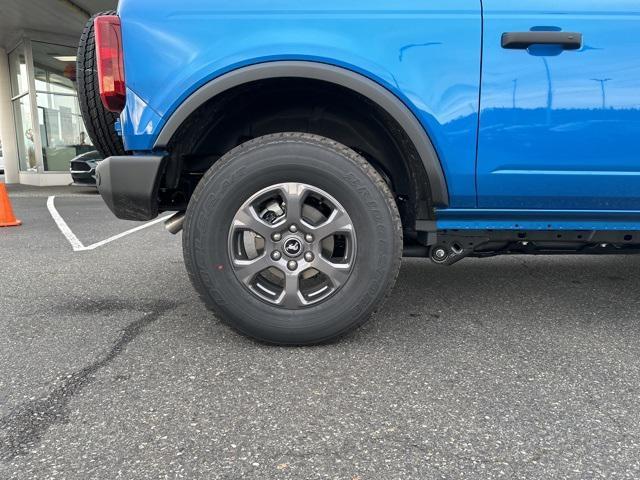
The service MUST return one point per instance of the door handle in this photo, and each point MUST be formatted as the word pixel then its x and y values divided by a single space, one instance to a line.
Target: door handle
pixel 523 40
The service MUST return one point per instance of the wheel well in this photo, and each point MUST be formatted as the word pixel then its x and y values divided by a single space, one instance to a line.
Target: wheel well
pixel 297 105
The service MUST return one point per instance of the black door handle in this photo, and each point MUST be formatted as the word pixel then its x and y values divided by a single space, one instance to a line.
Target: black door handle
pixel 523 40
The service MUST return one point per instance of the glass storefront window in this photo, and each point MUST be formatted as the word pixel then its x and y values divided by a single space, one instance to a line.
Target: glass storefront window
pixel 18 74
pixel 54 67
pixel 25 134
pixel 48 116
pixel 61 129
pixel 18 69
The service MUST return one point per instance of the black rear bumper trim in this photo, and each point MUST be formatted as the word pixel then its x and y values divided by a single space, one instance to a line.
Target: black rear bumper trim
pixel 129 185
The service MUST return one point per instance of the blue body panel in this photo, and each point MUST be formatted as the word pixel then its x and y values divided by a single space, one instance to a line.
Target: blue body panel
pixel 561 129
pixel 172 48
pixel 528 139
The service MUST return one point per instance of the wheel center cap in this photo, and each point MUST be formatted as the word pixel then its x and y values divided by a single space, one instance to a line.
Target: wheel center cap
pixel 292 247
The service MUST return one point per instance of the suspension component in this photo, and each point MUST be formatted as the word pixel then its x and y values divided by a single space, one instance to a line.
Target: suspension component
pixel 442 254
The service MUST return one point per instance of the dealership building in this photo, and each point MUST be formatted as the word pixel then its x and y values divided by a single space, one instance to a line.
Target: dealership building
pixel 41 128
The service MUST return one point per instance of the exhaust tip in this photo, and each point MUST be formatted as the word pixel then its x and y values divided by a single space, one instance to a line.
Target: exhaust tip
pixel 175 223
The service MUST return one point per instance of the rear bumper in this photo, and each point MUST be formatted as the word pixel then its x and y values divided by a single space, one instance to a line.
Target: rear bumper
pixel 129 185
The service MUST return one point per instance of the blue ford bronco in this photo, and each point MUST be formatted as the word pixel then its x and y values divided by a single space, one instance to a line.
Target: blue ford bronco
pixel 307 146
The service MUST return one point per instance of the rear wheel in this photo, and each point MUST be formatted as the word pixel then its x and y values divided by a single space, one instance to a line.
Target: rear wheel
pixel 99 122
pixel 292 239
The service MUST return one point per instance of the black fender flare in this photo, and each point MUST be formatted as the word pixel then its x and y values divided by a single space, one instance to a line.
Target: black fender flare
pixel 328 73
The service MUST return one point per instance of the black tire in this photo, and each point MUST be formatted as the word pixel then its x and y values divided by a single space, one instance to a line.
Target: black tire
pixel 321 163
pixel 98 121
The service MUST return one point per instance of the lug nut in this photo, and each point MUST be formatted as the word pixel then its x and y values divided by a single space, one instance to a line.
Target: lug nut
pixel 292 265
pixel 309 257
pixel 308 238
pixel 293 229
pixel 276 255
pixel 276 237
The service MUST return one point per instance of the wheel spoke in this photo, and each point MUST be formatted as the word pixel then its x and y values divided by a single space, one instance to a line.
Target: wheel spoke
pixel 338 222
pixel 291 296
pixel 294 194
pixel 246 270
pixel 247 219
pixel 338 273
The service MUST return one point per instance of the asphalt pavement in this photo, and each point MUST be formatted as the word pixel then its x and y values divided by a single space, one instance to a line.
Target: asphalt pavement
pixel 110 367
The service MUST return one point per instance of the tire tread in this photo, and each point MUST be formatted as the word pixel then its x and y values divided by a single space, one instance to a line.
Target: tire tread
pixel 99 122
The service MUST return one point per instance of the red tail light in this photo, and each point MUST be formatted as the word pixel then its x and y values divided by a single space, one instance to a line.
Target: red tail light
pixel 110 62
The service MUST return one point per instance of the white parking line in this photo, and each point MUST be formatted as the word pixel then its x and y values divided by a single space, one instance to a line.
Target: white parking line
pixel 75 242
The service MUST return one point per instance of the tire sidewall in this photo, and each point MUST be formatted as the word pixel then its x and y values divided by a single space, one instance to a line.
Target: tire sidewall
pixel 244 172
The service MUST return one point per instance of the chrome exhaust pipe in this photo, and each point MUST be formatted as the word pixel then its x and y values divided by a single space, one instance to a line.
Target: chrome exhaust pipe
pixel 175 223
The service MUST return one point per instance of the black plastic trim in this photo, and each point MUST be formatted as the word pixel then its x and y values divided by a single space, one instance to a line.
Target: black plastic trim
pixel 332 74
pixel 524 40
pixel 129 185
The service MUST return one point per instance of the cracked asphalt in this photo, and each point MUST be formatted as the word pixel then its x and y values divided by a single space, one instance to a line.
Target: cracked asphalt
pixel 512 367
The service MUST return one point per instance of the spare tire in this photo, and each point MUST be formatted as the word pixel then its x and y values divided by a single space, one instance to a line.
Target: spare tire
pixel 99 122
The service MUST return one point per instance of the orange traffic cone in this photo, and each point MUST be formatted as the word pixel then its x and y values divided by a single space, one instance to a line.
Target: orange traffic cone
pixel 7 218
